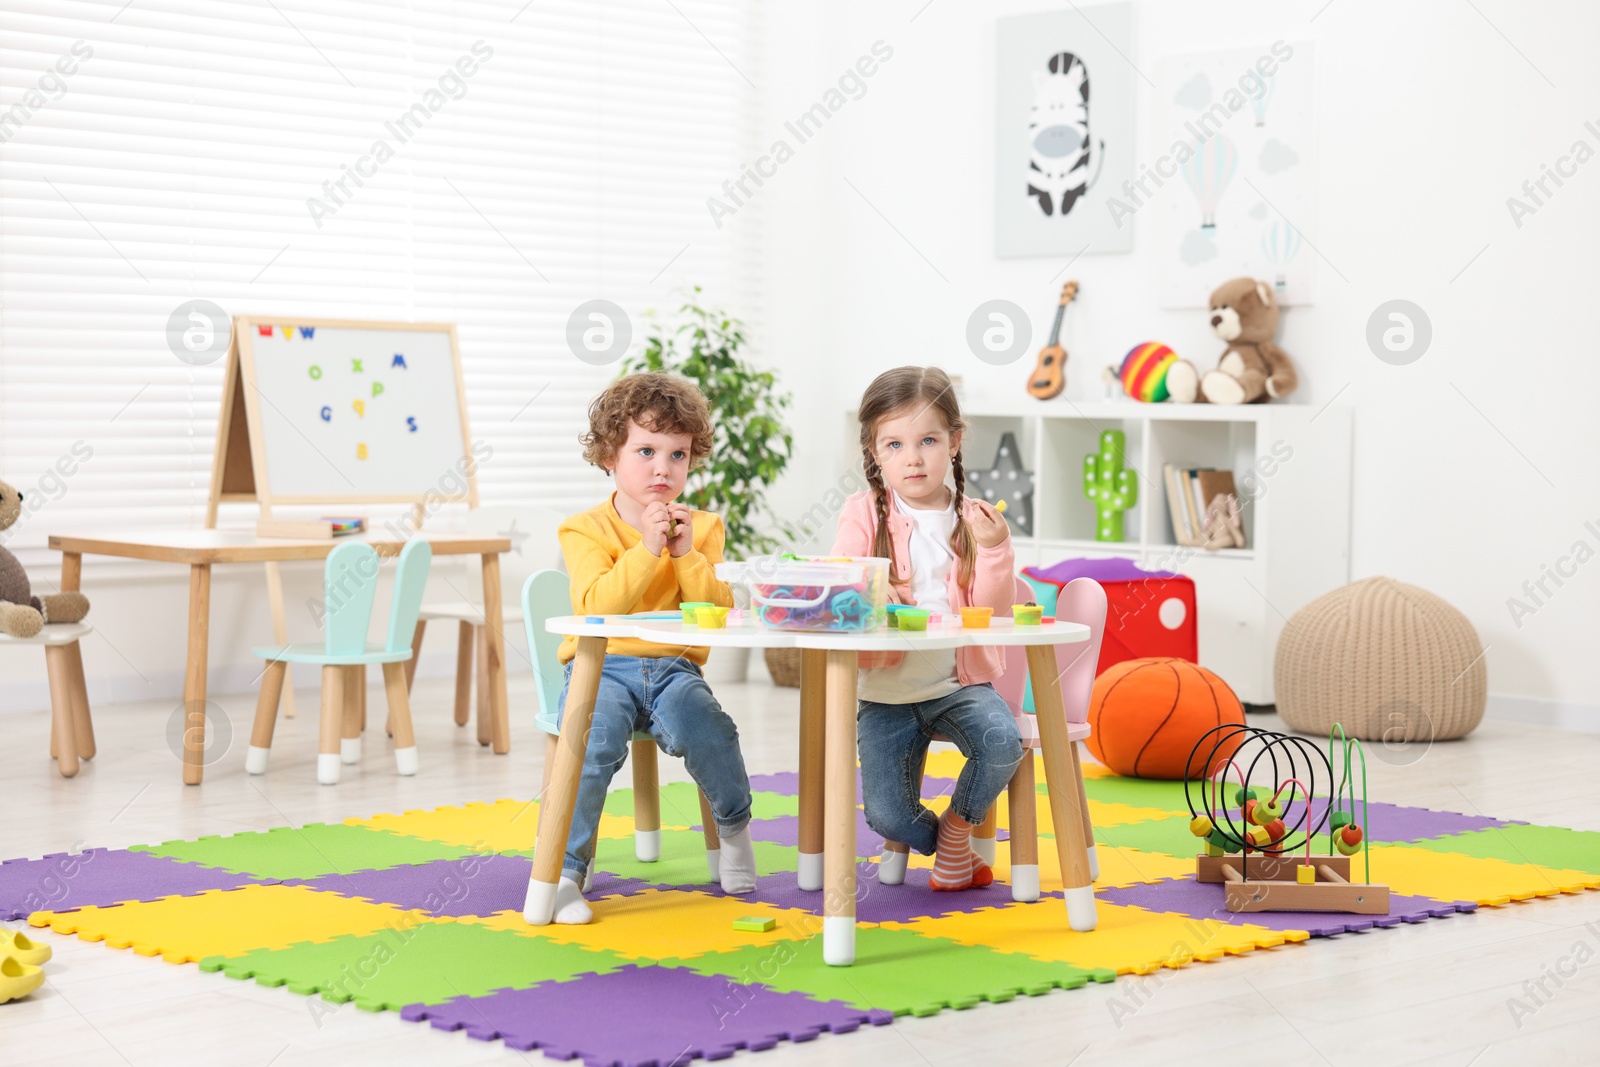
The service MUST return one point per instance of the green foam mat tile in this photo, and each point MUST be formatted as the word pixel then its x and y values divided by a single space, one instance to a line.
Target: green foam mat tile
pixel 1137 792
pixel 680 804
pixel 899 971
pixel 426 963
pixel 309 851
pixel 683 859
pixel 1545 846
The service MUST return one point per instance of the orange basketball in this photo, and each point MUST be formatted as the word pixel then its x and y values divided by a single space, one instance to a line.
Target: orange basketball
pixel 1147 714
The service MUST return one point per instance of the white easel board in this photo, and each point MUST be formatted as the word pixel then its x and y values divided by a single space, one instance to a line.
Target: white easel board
pixel 343 412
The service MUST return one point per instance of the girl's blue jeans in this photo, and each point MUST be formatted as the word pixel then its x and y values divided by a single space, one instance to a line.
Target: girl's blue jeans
pixel 668 699
pixel 893 739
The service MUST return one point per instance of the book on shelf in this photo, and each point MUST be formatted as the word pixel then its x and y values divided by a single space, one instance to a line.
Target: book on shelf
pixel 1190 491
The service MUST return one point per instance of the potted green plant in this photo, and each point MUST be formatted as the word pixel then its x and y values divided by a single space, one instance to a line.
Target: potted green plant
pixel 752 443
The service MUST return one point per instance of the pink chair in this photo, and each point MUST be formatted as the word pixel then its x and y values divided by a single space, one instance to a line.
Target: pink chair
pixel 1082 601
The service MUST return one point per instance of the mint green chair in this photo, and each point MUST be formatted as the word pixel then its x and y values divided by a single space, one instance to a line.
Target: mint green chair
pixel 547 595
pixel 350 584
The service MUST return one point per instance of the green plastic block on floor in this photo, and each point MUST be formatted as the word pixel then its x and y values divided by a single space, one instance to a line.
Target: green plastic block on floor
pixel 755 925
pixel 899 971
pixel 309 851
pixel 428 963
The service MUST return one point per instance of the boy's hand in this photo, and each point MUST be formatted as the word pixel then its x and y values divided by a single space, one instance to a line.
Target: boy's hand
pixel 681 541
pixel 988 525
pixel 655 526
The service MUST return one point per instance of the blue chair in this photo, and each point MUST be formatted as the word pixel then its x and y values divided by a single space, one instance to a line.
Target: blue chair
pixel 350 583
pixel 547 595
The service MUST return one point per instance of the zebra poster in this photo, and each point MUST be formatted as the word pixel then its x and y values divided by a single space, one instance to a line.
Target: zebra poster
pixel 1063 131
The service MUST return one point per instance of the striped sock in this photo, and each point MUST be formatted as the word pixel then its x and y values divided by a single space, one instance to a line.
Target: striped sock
pixel 956 866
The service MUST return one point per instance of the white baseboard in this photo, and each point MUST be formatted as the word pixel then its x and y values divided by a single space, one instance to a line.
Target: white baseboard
pixel 1560 714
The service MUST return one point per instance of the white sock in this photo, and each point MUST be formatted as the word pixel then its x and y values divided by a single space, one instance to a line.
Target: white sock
pixel 571 908
pixel 737 863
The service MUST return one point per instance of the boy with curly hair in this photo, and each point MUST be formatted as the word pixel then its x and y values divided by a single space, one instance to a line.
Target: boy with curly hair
pixel 643 550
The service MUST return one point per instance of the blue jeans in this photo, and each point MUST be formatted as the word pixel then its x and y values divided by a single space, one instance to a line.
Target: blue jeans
pixel 893 739
pixel 668 699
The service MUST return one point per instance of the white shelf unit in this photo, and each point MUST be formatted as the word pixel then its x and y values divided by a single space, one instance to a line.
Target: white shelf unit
pixel 1290 462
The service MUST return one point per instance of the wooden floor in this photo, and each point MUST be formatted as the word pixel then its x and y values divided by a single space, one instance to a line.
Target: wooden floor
pixel 1435 993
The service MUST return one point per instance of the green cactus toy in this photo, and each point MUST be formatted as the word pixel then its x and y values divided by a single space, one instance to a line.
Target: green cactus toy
pixel 1110 486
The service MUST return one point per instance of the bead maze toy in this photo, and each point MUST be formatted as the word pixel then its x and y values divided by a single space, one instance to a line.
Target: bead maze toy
pixel 1268 873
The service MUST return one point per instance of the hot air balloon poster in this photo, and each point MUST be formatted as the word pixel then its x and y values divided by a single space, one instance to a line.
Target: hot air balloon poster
pixel 1235 154
pixel 1064 131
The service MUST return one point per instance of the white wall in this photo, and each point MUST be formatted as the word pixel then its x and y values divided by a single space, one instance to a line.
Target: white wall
pixel 1428 121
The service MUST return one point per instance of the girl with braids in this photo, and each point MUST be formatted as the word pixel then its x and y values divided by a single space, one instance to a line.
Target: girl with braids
pixel 946 551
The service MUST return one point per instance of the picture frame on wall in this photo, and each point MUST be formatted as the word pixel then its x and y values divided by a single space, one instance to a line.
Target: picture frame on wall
pixel 1064 130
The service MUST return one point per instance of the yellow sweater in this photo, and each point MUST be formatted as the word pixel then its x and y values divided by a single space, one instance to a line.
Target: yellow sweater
pixel 612 573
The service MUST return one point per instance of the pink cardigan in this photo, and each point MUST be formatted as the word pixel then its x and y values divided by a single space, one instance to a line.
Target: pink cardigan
pixel 993 584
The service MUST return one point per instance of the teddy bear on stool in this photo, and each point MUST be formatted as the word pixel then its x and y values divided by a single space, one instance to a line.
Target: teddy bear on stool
pixel 1244 313
pixel 22 613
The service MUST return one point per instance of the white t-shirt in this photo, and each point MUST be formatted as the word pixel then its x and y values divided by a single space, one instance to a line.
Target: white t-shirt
pixel 922 674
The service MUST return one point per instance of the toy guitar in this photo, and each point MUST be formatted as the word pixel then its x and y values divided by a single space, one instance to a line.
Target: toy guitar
pixel 1049 374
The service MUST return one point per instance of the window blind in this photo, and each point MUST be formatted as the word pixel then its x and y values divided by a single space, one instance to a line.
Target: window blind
pixel 489 164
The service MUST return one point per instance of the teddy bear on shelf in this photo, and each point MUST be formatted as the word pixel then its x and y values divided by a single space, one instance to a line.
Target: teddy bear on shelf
pixel 22 613
pixel 1244 313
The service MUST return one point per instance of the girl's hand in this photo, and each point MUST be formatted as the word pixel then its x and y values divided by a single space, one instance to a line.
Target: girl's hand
pixel 988 525
pixel 681 541
pixel 656 525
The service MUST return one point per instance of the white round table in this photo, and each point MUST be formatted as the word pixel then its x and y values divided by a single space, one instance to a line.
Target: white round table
pixel 827 830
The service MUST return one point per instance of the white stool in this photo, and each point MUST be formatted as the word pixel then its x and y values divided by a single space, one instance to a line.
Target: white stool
pixel 71 730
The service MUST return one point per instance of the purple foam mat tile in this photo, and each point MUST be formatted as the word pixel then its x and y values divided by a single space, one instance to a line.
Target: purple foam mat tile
pixel 785 830
pixel 1202 900
pixel 668 1017
pixel 469 885
pixel 875 902
pixel 1394 824
pixel 99 877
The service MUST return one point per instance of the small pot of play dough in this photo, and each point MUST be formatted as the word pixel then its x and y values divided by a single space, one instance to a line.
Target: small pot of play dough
pixel 689 607
pixel 1027 614
pixel 892 609
pixel 976 618
pixel 908 618
pixel 710 617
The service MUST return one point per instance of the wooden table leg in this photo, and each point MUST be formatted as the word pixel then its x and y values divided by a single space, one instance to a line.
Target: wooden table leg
pixel 813 700
pixel 465 664
pixel 194 676
pixel 1024 843
pixel 482 655
pixel 280 624
pixel 555 812
pixel 81 721
pixel 839 864
pixel 1061 778
pixel 59 669
pixel 494 635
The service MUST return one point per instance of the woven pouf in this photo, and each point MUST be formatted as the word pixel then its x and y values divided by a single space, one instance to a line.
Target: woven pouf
pixel 1389 661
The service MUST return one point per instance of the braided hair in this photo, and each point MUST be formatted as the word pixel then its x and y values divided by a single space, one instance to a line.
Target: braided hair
pixel 890 393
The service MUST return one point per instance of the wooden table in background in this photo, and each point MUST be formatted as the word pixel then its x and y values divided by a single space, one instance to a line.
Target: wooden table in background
pixel 200 549
pixel 827 829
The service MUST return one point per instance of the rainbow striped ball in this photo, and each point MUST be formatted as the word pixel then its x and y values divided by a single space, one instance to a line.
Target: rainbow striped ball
pixel 1144 371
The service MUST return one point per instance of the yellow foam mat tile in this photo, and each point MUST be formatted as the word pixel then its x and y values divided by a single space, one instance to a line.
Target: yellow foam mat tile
pixel 500 826
pixel 1118 866
pixel 1452 876
pixel 1128 940
pixel 666 924
pixel 229 922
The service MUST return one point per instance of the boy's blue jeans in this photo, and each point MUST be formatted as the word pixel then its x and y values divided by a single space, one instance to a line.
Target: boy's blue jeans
pixel 668 699
pixel 893 739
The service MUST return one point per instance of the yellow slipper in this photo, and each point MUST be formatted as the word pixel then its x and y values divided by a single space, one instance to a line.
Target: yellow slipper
pixel 18 979
pixel 26 952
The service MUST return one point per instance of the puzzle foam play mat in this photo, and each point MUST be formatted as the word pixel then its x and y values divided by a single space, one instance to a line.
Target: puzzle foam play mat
pixel 420 913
